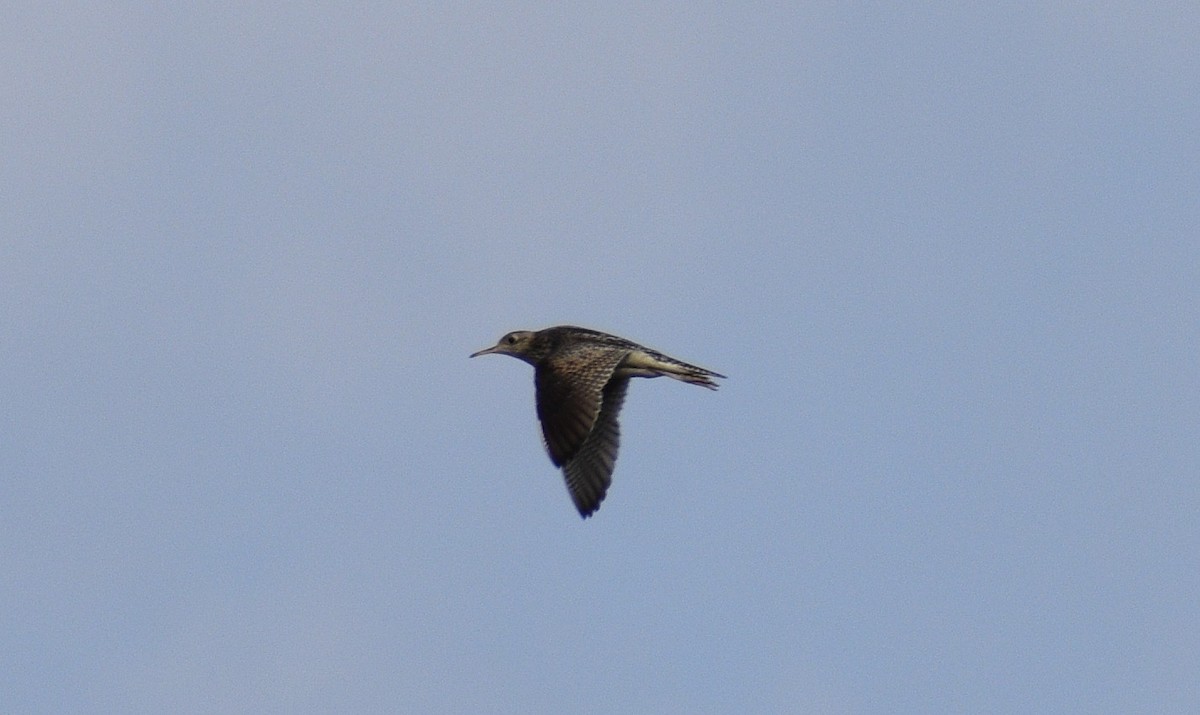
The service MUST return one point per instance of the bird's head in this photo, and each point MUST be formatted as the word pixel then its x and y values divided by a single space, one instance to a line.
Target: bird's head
pixel 517 344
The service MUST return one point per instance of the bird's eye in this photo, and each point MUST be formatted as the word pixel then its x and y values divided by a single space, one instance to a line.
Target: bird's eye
pixel 510 339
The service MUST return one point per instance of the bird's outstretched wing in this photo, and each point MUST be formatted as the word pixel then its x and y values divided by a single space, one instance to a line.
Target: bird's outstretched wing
pixel 570 386
pixel 589 472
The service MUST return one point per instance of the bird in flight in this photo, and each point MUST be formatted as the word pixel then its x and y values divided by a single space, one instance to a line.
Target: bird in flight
pixel 581 376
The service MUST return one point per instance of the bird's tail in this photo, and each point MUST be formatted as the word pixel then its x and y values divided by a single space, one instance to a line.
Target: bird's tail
pixel 695 376
pixel 648 363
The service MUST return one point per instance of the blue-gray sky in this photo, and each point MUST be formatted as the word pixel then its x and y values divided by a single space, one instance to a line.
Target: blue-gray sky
pixel 948 257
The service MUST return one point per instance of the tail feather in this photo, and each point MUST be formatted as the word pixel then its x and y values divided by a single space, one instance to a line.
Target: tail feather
pixel 697 376
pixel 691 374
pixel 648 363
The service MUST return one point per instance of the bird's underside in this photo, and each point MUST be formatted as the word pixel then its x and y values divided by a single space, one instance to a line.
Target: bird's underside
pixel 581 378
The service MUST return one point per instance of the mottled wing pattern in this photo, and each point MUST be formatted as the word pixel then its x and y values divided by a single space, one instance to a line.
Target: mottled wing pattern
pixel 570 386
pixel 589 472
pixel 598 338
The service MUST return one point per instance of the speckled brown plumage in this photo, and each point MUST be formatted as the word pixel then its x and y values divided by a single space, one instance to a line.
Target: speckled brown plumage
pixel 581 377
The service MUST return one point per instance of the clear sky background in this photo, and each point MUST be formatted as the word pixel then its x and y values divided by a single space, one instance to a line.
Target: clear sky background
pixel 949 258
